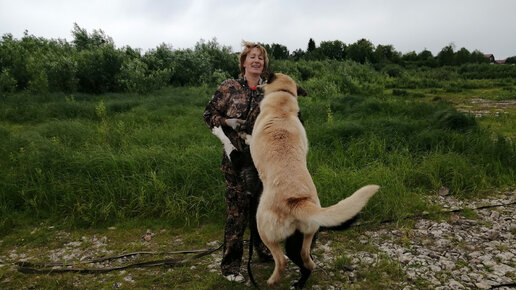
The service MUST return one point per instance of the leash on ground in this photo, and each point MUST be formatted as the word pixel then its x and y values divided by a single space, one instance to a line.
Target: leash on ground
pixel 48 268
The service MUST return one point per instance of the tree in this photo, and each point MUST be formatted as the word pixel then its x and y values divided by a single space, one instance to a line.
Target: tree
pixel 360 51
pixel 297 54
pixel 462 56
pixel 220 57
pixel 426 58
pixel 83 40
pixel 478 57
pixel 311 45
pixel 446 56
pixel 511 60
pixel 279 51
pixel 385 53
pixel 333 49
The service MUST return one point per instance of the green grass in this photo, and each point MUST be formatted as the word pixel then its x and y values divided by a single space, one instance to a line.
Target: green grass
pixel 151 158
pixel 74 165
pixel 86 160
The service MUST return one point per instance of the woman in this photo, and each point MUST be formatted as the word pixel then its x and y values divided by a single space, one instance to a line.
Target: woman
pixel 235 106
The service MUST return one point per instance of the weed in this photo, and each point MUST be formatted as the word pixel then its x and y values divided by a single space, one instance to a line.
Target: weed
pixel 470 214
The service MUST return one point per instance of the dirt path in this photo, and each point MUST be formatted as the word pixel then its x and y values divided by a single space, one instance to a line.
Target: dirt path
pixel 480 107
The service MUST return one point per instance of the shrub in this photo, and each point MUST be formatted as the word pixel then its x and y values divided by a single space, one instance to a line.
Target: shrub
pixel 62 73
pixel 393 70
pixel 7 82
pixel 399 92
pixel 98 69
pixel 38 82
pixel 451 119
pixel 321 88
pixel 135 77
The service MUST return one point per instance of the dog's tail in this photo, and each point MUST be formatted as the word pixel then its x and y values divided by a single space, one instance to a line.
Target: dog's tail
pixel 339 213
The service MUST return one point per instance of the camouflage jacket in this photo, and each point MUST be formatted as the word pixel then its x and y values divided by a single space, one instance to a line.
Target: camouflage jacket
pixel 233 99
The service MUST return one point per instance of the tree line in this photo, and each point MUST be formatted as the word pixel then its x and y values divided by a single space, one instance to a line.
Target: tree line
pixel 91 63
pixel 364 51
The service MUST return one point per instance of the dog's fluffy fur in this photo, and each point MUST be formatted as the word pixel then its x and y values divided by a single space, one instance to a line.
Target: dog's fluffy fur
pixel 289 205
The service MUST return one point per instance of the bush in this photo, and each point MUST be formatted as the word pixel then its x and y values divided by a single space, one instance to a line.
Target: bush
pixel 62 73
pixel 487 71
pixel 451 119
pixel 190 68
pixel 38 82
pixel 393 70
pixel 7 82
pixel 98 69
pixel 135 77
pixel 322 88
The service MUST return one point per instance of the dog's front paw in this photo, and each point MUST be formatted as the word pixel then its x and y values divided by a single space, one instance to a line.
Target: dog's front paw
pixel 246 137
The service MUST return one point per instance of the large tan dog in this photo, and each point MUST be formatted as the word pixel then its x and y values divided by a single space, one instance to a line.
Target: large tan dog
pixel 289 202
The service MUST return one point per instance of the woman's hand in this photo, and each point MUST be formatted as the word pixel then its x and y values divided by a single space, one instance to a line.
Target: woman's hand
pixel 236 124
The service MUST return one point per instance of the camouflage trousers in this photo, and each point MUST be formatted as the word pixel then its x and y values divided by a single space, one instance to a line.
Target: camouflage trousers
pixel 240 212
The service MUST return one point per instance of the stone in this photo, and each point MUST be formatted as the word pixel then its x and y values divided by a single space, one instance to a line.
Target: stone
pixel 447 264
pixel 502 269
pixel 455 285
pixel 484 284
pixel 505 256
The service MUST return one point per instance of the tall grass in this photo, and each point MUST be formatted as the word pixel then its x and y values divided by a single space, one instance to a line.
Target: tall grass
pixel 86 160
pixel 127 157
pixel 408 146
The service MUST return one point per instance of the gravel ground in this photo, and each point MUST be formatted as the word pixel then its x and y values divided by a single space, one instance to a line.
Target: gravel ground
pixel 469 249
pixel 459 253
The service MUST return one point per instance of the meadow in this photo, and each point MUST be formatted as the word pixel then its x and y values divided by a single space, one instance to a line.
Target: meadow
pixel 94 157
pixel 95 160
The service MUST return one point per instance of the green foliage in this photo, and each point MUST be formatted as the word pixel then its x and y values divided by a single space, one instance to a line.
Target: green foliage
pixel 324 79
pixel 85 41
pixel 88 159
pixel 487 71
pixel 361 51
pixel 220 57
pixel 7 82
pixel 135 77
pixel 446 56
pixel 311 45
pixel 276 51
pixel 98 69
pixel 462 56
pixel 511 60
pixel 333 49
pixel 91 63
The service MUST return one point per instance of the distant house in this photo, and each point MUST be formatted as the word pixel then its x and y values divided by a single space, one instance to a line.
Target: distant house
pixel 490 57
pixel 500 61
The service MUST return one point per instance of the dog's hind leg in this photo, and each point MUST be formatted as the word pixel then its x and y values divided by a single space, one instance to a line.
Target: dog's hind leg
pixel 293 247
pixel 279 260
pixel 305 251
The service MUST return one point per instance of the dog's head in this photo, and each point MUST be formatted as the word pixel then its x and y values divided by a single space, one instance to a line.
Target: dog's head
pixel 281 82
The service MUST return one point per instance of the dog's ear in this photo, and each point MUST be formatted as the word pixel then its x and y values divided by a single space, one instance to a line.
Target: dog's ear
pixel 301 91
pixel 270 77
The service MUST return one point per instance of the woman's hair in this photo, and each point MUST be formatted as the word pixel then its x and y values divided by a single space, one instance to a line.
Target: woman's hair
pixel 248 46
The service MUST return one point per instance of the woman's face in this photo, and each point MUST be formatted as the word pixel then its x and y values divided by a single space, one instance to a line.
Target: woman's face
pixel 254 62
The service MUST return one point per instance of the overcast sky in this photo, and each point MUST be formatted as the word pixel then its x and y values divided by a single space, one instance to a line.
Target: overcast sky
pixel 408 25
